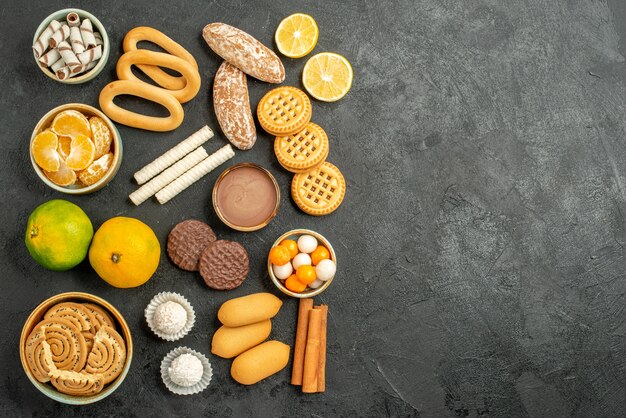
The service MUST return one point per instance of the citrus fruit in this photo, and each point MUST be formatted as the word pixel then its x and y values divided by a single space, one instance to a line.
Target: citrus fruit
pixel 125 252
pixel 100 135
pixel 293 284
pixel 296 35
pixel 291 245
pixel 96 170
pixel 63 176
pixel 71 123
pixel 327 76
pixel 82 152
pixel 279 255
pixel 65 146
pixel 44 150
pixel 58 234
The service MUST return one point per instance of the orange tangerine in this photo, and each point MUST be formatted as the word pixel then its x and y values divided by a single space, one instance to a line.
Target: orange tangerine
pixel 319 254
pixel 65 146
pixel 279 255
pixel 291 245
pixel 82 152
pixel 306 274
pixel 100 135
pixel 63 176
pixel 96 170
pixel 71 123
pixel 44 150
pixel 292 283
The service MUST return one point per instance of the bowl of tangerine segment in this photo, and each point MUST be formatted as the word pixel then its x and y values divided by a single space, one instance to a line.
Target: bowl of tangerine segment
pixel 75 149
pixel 302 263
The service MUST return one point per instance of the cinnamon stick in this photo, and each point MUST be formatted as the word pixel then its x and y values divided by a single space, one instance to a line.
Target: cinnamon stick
pixel 321 372
pixel 304 307
pixel 312 352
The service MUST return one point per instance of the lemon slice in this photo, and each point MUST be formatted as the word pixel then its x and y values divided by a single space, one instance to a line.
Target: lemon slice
pixel 296 35
pixel 327 76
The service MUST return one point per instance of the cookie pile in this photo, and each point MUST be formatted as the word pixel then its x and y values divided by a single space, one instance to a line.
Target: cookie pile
pixel 193 246
pixel 318 187
pixel 76 348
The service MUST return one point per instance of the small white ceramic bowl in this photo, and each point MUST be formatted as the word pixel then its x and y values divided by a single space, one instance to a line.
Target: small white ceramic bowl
pixel 116 147
pixel 97 27
pixel 308 292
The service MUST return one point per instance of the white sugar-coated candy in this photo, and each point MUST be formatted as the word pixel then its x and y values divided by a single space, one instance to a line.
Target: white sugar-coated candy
pixel 325 270
pixel 301 259
pixel 317 283
pixel 307 244
pixel 282 272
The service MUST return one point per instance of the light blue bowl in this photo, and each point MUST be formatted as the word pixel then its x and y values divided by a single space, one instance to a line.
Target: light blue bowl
pixel 60 15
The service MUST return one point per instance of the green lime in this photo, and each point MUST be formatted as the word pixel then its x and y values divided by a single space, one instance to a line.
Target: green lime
pixel 58 235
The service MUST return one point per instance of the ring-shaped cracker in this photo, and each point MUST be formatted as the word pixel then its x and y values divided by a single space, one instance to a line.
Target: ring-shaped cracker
pixel 156 74
pixel 160 59
pixel 137 120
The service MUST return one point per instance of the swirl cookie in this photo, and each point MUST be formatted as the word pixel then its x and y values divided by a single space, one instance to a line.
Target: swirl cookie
pixel 224 265
pixel 284 110
pixel 108 354
pixel 186 241
pixel 75 383
pixel 302 151
pixel 319 191
pixel 101 316
pixel 39 356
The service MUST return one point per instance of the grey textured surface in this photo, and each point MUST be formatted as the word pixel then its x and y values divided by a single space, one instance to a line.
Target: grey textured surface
pixel 480 244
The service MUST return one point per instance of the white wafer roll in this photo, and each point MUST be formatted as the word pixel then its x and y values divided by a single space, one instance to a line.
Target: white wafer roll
pixel 86 31
pixel 98 37
pixel 90 55
pixel 173 155
pixel 83 68
pixel 166 177
pixel 60 35
pixel 68 55
pixel 63 73
pixel 76 40
pixel 44 39
pixel 72 19
pixel 58 65
pixel 50 57
pixel 196 173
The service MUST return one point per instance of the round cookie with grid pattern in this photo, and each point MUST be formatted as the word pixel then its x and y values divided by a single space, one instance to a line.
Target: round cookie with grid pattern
pixel 302 151
pixel 284 110
pixel 319 191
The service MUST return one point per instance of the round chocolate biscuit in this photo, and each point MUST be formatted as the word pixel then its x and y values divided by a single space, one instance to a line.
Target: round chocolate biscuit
pixel 224 265
pixel 186 242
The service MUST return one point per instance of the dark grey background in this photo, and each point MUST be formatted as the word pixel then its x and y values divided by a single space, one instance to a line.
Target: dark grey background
pixel 480 243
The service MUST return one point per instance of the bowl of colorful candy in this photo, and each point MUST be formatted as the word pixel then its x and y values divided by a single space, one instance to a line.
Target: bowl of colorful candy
pixel 302 263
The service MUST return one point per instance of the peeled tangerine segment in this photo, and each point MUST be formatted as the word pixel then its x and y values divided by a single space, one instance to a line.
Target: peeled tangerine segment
pixel 96 170
pixel 82 152
pixel 100 135
pixel 327 76
pixel 44 150
pixel 63 176
pixel 65 146
pixel 71 123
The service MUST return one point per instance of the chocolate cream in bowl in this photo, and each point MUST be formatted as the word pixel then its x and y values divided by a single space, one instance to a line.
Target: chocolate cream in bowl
pixel 246 196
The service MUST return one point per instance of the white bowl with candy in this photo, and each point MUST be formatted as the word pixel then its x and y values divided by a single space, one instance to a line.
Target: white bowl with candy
pixel 71 46
pixel 302 263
